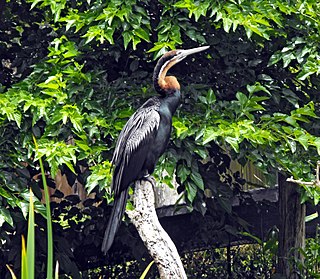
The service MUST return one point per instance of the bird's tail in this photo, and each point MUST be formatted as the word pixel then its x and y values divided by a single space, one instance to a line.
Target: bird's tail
pixel 114 222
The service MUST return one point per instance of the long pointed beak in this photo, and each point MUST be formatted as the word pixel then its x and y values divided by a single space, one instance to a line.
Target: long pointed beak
pixel 187 52
pixel 183 53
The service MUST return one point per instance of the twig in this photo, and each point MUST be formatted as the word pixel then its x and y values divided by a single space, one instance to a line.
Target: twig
pixel 314 183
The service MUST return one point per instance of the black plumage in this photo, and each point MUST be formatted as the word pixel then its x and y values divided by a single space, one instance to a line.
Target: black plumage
pixel 144 138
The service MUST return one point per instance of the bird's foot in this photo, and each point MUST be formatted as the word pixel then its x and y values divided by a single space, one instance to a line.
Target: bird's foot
pixel 150 179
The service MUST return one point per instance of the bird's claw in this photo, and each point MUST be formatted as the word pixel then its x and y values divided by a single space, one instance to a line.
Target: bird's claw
pixel 150 179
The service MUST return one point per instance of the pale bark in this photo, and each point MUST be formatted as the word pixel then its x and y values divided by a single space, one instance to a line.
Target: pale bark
pixel 157 241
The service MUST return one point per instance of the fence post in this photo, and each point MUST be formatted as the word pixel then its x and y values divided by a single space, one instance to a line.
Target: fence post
pixel 292 227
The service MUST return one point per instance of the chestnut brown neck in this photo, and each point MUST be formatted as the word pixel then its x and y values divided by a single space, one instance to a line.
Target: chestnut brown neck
pixel 163 84
pixel 169 84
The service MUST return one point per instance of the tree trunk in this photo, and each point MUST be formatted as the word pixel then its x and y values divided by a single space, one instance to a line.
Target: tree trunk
pixel 292 227
pixel 160 246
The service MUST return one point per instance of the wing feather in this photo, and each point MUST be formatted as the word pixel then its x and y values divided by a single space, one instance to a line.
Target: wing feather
pixel 131 147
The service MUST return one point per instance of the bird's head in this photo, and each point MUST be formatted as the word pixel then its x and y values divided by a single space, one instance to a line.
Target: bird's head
pixel 163 83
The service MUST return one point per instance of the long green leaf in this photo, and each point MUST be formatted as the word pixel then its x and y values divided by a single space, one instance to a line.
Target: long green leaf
pixel 56 272
pixel 311 217
pixel 31 239
pixel 256 239
pixel 49 223
pixel 11 272
pixel 24 263
pixel 144 274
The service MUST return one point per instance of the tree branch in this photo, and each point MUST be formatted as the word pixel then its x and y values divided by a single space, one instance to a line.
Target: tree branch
pixel 314 183
pixel 160 246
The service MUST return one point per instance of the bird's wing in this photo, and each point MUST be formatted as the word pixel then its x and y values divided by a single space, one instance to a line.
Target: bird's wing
pixel 131 147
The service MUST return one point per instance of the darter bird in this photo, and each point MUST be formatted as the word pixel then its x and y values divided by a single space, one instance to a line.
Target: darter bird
pixel 144 138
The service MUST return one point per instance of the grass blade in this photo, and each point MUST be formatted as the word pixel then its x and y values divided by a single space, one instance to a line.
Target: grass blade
pixel 24 264
pixel 49 223
pixel 144 274
pixel 11 272
pixel 31 239
pixel 311 217
pixel 56 273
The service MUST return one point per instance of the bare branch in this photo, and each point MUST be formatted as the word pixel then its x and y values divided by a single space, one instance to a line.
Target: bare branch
pixel 160 246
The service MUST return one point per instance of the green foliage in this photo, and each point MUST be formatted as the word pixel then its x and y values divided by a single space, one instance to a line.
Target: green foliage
pixel 74 71
pixel 310 267
pixel 28 252
pixel 243 261
pixel 100 176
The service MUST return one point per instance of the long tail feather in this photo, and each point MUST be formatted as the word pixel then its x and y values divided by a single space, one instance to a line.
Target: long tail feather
pixel 114 222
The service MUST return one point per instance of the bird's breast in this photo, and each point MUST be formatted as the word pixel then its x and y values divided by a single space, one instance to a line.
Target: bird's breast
pixel 163 135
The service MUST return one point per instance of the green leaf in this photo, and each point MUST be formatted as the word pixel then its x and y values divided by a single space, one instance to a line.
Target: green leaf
pixel 197 179
pixel 135 42
pixel 243 99
pixel 179 126
pixel 317 144
pixel 287 58
pixel 101 175
pixel 290 120
pixel 31 239
pixel 233 142
pixel 145 272
pixel 304 140
pixel 183 172
pixel 34 3
pixel 257 87
pixel 5 216
pixel 143 34
pixel 203 99
pixel 48 216
pixel 69 24
pixel 311 217
pixel 211 97
pixel 72 112
pixel 276 57
pixel 39 207
pixel 127 37
pixel 256 239
pixel 227 23
pixel 191 189
pixel 210 134
pixel 201 151
pixel 157 47
pixel 10 198
pixel 24 260
pixel 51 85
pixel 292 144
pixel 108 35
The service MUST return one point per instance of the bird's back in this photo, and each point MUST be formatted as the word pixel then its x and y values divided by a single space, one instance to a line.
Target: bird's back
pixel 133 145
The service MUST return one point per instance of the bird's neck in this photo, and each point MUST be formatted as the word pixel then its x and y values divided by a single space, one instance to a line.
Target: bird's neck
pixel 171 101
pixel 167 86
pixel 162 83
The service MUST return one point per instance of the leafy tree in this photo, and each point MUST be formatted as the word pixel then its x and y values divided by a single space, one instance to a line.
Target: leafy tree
pixel 74 71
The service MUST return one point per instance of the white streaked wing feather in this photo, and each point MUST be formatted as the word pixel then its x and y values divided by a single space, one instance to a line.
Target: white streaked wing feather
pixel 149 124
pixel 138 129
pixel 138 126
